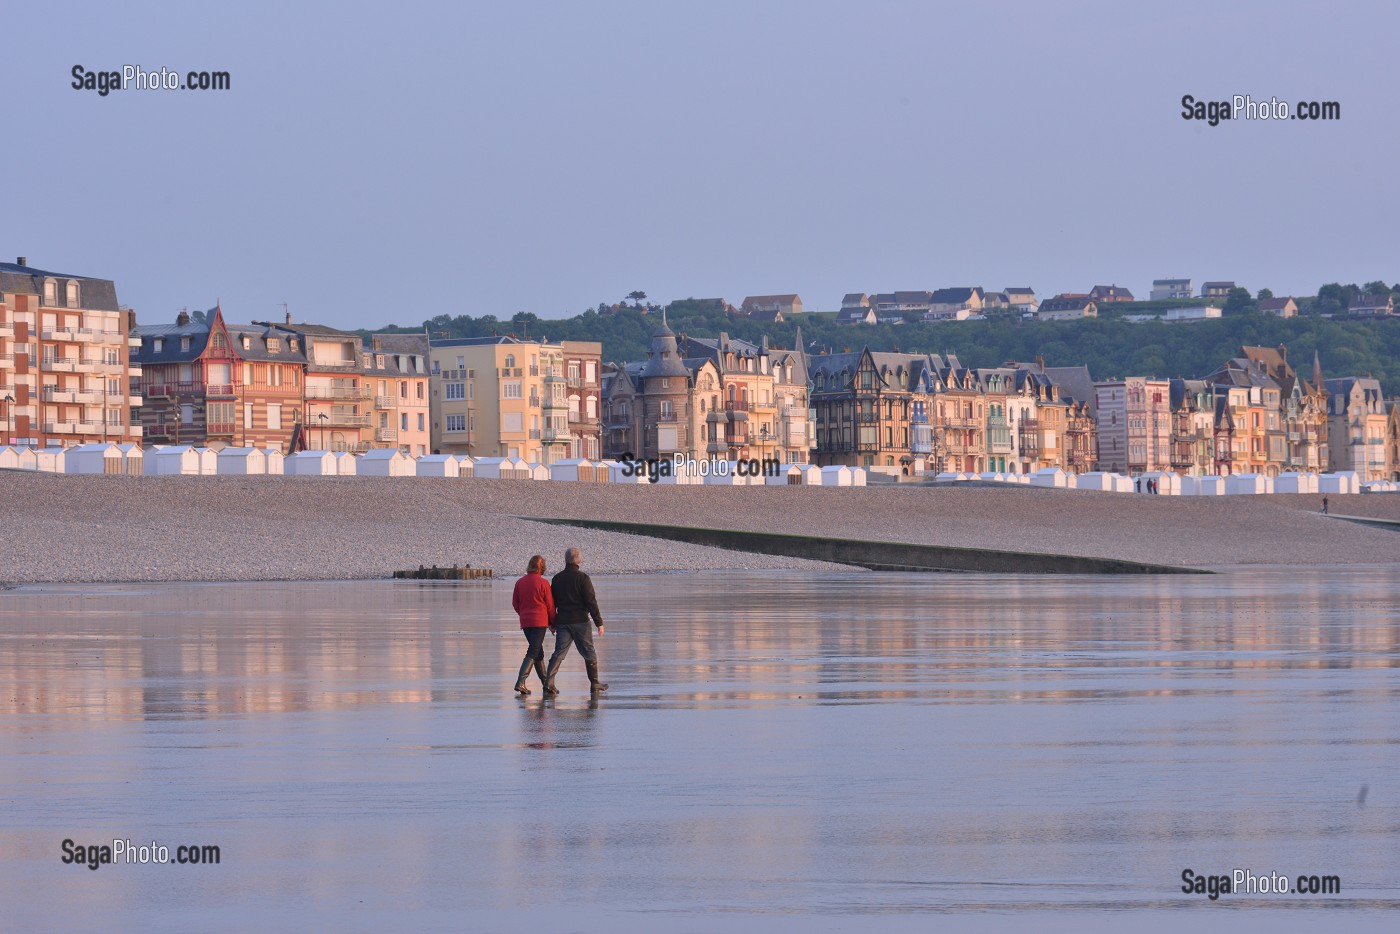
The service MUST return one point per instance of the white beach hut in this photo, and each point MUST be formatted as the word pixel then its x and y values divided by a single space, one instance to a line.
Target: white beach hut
pixel 1295 482
pixel 858 476
pixel 618 472
pixel 310 464
pixel 241 462
pixel 1168 483
pixel 1050 477
pixel 93 458
pixel 386 462
pixel 1210 485
pixel 9 458
pixel 1096 480
pixel 50 459
pixel 730 477
pixel 26 458
pixel 1341 483
pixel 836 475
pixel 272 461
pixel 438 465
pixel 466 466
pixel 346 464
pixel 489 468
pixel 572 470
pixel 133 459
pixel 208 461
pixel 533 471
pixel 172 460
pixel 811 474
pixel 682 476
pixel 1245 484
pixel 788 475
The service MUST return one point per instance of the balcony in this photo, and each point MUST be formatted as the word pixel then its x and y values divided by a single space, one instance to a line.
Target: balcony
pixel 386 434
pixel 387 402
pixel 736 405
pixel 556 435
pixel 7 329
pixel 558 404
pixel 62 365
pixel 534 402
pixel 218 389
pixel 338 393
pixel 575 417
pixel 68 334
pixel 574 382
pixel 134 343
pixel 867 418
pixel 341 420
pixel 219 428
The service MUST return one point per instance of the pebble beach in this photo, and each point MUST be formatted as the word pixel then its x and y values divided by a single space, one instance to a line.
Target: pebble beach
pixel 78 529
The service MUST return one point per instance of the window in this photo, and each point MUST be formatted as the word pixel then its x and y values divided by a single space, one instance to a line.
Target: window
pixel 248 415
pixel 421 423
pixel 403 421
pixel 455 391
pixel 274 373
pixel 456 423
pixel 219 343
pixel 590 371
pixel 510 361
pixel 247 342
pixel 184 343
pixel 592 407
pixel 512 421
pixel 419 385
pixel 50 292
pixel 274 345
pixel 274 415
pixel 157 345
pixel 461 363
pixel 403 389
pixel 72 294
pixel 186 414
pixel 510 389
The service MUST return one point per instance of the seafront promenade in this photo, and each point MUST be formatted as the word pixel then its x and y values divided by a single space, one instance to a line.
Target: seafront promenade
pixel 63 528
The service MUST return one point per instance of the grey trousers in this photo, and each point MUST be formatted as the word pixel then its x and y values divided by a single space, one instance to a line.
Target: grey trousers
pixel 566 634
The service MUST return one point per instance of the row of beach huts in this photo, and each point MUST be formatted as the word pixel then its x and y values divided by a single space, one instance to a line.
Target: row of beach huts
pixel 186 460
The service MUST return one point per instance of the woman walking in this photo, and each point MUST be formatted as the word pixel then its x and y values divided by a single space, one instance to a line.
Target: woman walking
pixel 534 602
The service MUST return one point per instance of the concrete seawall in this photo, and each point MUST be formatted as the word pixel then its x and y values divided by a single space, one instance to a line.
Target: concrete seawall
pixel 880 556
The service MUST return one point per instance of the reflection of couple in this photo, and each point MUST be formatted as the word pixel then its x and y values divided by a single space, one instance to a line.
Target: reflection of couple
pixel 566 605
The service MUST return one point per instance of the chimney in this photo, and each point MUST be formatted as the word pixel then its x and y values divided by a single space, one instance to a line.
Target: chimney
pixel 22 260
pixel 182 319
pixel 289 317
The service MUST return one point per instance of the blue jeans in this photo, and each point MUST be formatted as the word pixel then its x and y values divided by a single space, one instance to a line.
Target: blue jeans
pixel 566 634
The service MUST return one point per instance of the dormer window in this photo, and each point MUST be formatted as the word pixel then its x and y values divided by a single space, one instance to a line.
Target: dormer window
pixel 294 344
pixel 184 344
pixel 157 344
pixel 273 345
pixel 247 342
pixel 50 292
pixel 72 294
pixel 219 343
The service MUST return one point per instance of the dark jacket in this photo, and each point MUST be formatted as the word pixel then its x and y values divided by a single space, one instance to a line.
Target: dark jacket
pixel 574 598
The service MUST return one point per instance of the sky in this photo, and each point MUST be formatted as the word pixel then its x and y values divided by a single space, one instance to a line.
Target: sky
pixel 386 163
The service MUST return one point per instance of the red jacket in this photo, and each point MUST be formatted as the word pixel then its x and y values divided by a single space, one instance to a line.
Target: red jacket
pixel 533 601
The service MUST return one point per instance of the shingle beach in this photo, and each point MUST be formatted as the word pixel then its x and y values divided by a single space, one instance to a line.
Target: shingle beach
pixel 59 528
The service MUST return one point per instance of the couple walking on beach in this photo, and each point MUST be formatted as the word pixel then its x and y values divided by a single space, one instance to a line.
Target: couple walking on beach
pixel 567 606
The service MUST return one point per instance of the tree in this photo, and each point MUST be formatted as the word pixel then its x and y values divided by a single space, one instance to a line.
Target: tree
pixel 1237 301
pixel 1377 288
pixel 637 297
pixel 1265 294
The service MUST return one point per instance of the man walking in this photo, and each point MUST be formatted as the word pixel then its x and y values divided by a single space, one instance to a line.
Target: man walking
pixel 576 604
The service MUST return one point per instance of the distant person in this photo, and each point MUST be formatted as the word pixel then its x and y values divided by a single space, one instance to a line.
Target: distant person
pixel 533 600
pixel 1139 484
pixel 576 604
pixel 1324 505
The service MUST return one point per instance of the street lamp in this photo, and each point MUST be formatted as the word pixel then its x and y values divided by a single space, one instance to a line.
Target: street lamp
pixel 322 417
pixel 10 415
pixel 763 441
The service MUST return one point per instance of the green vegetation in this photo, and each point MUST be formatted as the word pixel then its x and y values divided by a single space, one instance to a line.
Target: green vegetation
pixel 1108 345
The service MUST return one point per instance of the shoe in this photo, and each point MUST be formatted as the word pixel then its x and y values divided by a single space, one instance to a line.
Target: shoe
pixel 549 689
pixel 593 677
pixel 539 670
pixel 520 687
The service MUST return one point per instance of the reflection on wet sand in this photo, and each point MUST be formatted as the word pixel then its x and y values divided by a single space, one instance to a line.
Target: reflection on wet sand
pixel 773 745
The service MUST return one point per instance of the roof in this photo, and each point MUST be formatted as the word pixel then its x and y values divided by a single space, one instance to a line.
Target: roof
pixel 1217 285
pixel 95 294
pixel 1171 281
pixel 415 342
pixel 477 341
pixel 854 299
pixel 952 296
pixel 1065 303
pixel 1271 304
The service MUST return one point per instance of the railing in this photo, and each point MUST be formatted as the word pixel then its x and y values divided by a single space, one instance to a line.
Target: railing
pixel 342 420
pixel 386 434
pixel 60 364
pixel 389 402
pixel 556 403
pixel 574 382
pixel 534 434
pixel 736 405
pixel 555 434
pixel 218 389
pixel 319 393
pixel 575 416
pixel 534 402
pixel 868 417
pixel 667 417
pixel 219 428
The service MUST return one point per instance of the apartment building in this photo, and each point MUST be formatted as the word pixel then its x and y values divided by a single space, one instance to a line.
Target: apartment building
pixel 864 408
pixel 66 372
pixel 397 372
pixel 1134 424
pixel 1357 427
pixel 764 396
pixel 669 405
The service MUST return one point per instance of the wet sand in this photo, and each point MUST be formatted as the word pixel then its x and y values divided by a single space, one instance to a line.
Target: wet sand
pixel 779 752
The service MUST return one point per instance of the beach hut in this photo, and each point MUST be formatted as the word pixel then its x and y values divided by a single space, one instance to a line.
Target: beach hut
pixel 692 476
pixel 1210 485
pixel 50 459
pixel 489 468
pixel 858 476
pixel 618 472
pixel 241 462
pixel 572 470
pixel 272 461
pixel 729 477
pixel 1096 480
pixel 836 475
pixel 92 459
pixel 386 462
pixel 1295 482
pixel 9 458
pixel 1168 483
pixel 208 461
pixel 26 458
pixel 172 460
pixel 533 471
pixel 1245 484
pixel 310 464
pixel 437 465
pixel 346 464
pixel 1050 477
pixel 1341 483
pixel 1380 486
pixel 788 475
pixel 503 468
pixel 133 459
pixel 466 466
